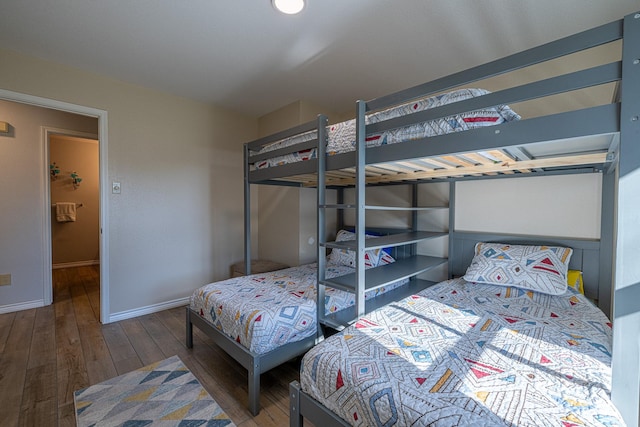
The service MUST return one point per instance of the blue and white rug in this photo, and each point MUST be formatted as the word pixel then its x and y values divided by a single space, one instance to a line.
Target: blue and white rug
pixel 164 393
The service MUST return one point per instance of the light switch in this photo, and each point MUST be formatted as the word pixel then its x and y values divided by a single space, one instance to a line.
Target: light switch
pixel 115 187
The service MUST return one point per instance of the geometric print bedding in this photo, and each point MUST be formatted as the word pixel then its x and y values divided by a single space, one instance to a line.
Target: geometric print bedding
pixel 469 355
pixel 372 257
pixel 265 311
pixel 342 136
pixel 537 268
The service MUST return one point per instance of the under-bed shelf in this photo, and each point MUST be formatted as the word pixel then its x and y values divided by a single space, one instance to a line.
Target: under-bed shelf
pixel 343 318
pixel 390 240
pixel 401 208
pixel 380 276
pixel 384 208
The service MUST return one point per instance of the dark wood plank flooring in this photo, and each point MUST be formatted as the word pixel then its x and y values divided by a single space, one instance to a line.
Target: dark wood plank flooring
pixel 47 353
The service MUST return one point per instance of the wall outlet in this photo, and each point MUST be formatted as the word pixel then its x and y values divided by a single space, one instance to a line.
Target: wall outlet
pixel 115 187
pixel 5 279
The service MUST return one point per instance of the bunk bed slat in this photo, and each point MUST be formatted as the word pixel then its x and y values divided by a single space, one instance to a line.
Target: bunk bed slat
pixel 504 167
pixel 307 145
pixel 599 120
pixel 568 82
pixel 581 41
pixel 283 171
pixel 261 142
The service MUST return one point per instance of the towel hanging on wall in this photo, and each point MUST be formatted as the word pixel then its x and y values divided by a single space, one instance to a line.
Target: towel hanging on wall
pixel 65 212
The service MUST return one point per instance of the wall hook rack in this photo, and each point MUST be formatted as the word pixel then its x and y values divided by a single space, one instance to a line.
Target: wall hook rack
pixel 54 171
pixel 76 180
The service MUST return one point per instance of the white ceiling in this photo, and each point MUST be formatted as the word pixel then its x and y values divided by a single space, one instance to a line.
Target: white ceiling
pixel 243 55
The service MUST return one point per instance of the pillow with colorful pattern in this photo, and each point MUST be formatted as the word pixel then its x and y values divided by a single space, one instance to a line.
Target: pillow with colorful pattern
pixel 537 268
pixel 372 257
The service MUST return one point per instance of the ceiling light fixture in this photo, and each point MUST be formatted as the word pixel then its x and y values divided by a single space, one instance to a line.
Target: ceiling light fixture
pixel 290 7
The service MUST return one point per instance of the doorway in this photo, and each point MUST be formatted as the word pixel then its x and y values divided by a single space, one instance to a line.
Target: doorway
pixel 46 209
pixel 75 215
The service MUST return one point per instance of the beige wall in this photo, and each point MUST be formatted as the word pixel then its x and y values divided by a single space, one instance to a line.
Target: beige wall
pixel 76 242
pixel 567 206
pixel 178 222
pixel 287 215
pixel 293 114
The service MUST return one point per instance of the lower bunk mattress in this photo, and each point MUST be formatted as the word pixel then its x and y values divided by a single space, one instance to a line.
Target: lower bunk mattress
pixel 467 354
pixel 265 311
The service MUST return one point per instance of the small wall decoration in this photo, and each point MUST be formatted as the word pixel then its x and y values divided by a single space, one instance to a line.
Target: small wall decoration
pixel 54 171
pixel 76 179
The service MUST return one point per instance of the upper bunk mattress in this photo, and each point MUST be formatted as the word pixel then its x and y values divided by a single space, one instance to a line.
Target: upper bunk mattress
pixel 267 310
pixel 342 136
pixel 469 355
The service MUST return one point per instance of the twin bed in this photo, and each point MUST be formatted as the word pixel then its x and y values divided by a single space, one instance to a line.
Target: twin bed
pixel 461 352
pixel 467 353
pixel 265 311
pixel 265 319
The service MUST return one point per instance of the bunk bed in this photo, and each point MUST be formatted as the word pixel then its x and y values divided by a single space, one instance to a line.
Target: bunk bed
pixel 266 319
pixel 336 372
pixel 577 141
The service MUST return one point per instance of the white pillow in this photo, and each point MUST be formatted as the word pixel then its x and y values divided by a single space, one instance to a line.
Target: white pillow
pixel 537 268
pixel 372 257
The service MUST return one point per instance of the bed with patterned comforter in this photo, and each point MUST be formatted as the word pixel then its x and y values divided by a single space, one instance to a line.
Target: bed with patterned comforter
pixel 265 311
pixel 461 353
pixel 342 136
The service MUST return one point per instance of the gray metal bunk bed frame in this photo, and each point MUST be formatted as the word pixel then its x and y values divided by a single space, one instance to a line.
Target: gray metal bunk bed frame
pixel 255 363
pixel 596 258
pixel 513 137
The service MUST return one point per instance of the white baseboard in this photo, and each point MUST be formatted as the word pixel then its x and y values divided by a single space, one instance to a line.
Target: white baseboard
pixel 115 317
pixel 76 264
pixel 22 306
pixel 129 314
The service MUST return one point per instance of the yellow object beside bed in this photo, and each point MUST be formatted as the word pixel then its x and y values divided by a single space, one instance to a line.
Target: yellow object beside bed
pixel 574 279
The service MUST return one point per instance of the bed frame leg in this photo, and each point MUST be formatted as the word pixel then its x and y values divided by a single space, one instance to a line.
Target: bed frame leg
pixel 295 419
pixel 254 388
pixel 189 334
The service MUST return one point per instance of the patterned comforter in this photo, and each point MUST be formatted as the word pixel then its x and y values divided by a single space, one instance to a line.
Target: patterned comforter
pixel 265 311
pixel 463 354
pixel 342 136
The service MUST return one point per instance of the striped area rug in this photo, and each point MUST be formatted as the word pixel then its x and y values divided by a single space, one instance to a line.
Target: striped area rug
pixel 164 393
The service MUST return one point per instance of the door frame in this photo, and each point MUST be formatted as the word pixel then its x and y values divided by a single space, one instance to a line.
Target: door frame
pixel 47 132
pixel 102 137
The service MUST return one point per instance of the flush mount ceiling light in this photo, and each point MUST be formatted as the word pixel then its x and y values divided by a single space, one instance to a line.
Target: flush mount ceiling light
pixel 290 7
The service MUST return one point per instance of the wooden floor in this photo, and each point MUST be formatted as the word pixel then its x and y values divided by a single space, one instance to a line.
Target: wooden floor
pixel 47 353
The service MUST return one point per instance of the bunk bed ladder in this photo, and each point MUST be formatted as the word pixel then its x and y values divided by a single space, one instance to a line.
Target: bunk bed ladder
pixel 321 237
pixel 361 109
pixel 359 285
